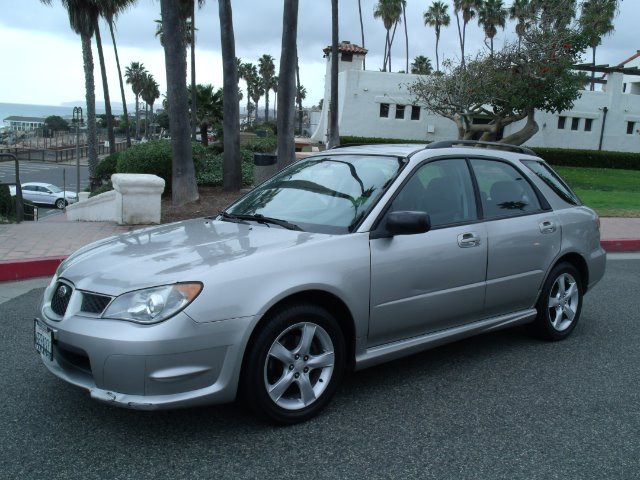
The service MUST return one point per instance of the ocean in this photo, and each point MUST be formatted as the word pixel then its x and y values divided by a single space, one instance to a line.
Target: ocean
pixel 26 110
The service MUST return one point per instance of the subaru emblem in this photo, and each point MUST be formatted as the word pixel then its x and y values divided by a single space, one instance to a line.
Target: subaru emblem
pixel 62 291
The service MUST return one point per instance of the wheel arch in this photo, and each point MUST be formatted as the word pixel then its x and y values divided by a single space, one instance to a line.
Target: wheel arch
pixel 334 305
pixel 579 263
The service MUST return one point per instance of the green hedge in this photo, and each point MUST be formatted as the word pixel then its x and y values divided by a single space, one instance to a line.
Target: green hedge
pixel 150 157
pixel 107 167
pixel 367 140
pixel 590 158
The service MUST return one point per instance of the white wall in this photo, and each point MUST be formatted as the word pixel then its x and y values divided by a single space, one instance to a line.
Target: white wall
pixel 362 92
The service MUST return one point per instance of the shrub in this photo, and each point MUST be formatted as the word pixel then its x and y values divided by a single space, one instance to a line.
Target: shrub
pixel 209 171
pixel 105 187
pixel 261 145
pixel 589 158
pixel 151 157
pixel 107 167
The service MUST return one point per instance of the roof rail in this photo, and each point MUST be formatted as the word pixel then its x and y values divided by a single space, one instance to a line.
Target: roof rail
pixel 345 145
pixel 503 146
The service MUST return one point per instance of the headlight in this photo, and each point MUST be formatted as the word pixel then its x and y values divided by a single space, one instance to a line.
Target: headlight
pixel 153 305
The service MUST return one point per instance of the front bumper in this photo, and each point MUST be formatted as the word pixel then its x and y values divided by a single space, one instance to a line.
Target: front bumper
pixel 176 363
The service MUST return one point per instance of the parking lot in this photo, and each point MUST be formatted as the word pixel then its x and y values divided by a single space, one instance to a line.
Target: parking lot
pixel 499 406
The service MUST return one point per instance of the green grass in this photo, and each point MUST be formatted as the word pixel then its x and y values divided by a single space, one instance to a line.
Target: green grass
pixel 611 193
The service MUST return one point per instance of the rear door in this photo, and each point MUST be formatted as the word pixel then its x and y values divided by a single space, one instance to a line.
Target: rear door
pixel 523 238
pixel 436 280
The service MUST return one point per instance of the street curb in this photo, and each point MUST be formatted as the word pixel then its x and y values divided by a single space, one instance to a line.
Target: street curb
pixel 621 245
pixel 12 270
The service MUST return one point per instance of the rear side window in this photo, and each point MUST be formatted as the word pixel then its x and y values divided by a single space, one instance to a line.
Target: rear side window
pixel 553 180
pixel 503 189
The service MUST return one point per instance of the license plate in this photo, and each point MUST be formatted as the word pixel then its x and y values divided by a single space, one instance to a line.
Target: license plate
pixel 43 339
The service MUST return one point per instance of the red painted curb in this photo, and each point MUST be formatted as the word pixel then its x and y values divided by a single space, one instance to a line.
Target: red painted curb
pixel 11 270
pixel 621 245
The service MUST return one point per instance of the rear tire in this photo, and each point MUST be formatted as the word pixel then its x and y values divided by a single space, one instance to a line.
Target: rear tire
pixel 560 303
pixel 294 365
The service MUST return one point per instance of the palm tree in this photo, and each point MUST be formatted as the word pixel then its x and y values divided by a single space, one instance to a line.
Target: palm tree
pixel 183 185
pixel 110 9
pixel 334 131
pixel 105 87
pixel 364 64
pixel 267 70
pixel 437 16
pixel 421 66
pixel 469 8
pixel 274 87
pixel 257 90
pixel 248 72
pixel 134 74
pixel 390 12
pixel 82 19
pixel 193 66
pixel 286 84
pixel 492 15
pixel 150 93
pixel 231 163
pixel 596 21
pixel 406 34
pixel 208 110
pixel 301 94
pixel 521 11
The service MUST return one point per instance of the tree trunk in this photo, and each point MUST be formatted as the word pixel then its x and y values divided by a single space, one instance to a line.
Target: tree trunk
pixel 593 72
pixel 231 163
pixel 204 138
pixel 437 56
pixel 105 89
pixel 183 184
pixel 298 99
pixel 286 85
pixel 525 133
pixel 364 64
pixel 137 115
pixel 406 37
pixel 266 104
pixel 90 96
pixel 194 104
pixel 334 131
pixel 124 100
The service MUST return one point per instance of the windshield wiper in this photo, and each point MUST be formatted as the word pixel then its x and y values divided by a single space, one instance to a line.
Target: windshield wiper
pixel 260 219
pixel 230 217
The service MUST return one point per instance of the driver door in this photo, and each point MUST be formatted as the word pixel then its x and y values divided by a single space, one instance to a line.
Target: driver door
pixel 431 281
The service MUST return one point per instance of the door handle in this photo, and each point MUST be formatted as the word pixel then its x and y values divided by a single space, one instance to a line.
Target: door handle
pixel 467 240
pixel 547 226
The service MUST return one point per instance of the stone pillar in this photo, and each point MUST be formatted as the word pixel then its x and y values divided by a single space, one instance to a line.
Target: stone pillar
pixel 137 198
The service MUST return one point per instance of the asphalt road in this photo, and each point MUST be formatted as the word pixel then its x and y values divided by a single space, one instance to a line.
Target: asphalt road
pixel 499 406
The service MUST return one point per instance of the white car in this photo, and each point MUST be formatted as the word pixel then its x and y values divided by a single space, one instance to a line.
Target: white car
pixel 46 193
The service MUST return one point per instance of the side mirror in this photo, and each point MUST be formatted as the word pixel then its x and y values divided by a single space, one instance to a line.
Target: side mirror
pixel 406 223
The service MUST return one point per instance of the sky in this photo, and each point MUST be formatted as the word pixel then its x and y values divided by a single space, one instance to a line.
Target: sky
pixel 41 57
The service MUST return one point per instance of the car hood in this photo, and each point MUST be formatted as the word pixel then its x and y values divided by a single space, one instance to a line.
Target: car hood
pixel 184 251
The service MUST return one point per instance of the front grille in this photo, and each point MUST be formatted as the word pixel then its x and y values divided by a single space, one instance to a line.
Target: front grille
pixel 61 296
pixel 94 303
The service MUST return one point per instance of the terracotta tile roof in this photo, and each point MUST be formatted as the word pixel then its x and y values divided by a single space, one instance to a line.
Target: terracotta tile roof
pixel 347 47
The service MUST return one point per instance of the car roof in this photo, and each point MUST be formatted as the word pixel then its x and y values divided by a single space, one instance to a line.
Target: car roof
pixel 452 147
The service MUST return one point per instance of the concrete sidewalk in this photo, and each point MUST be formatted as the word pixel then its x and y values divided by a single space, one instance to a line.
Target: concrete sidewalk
pixel 35 249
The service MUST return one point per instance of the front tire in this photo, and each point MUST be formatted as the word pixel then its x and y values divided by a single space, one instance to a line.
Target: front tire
pixel 294 365
pixel 61 203
pixel 560 303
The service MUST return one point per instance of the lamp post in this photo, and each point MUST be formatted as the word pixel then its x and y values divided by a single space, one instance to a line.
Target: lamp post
pixel 77 121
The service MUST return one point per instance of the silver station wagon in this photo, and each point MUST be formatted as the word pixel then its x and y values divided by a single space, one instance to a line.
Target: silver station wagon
pixel 352 257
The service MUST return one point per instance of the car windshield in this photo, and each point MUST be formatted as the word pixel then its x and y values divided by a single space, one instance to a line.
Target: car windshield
pixel 329 194
pixel 53 188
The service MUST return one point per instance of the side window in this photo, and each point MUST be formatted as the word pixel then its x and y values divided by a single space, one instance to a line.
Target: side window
pixel 443 189
pixel 503 190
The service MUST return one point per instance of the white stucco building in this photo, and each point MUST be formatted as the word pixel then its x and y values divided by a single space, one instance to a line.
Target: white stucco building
pixel 378 104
